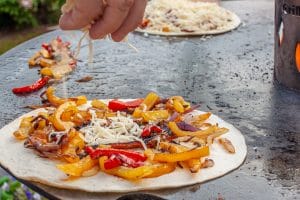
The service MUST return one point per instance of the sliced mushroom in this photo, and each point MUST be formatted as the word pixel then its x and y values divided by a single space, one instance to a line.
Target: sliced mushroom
pixel 227 145
pixel 207 163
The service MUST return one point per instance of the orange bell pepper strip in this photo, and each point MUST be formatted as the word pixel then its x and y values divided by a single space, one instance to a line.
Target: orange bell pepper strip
pixel 199 119
pixel 68 114
pixel 161 169
pixel 74 144
pixel 182 156
pixel 56 101
pixel 297 55
pixel 82 117
pixel 193 164
pixel 201 134
pixel 147 104
pixel 24 129
pixel 156 115
pixel 57 121
pixel 77 168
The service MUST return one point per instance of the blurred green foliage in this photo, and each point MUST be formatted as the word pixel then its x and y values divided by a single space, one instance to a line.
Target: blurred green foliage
pixel 14 16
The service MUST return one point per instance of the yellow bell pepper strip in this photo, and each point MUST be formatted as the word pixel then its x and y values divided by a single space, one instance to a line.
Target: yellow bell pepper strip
pixel 201 134
pixel 105 114
pixel 182 156
pixel 24 129
pixel 75 143
pixel 77 168
pixel 40 121
pixel 199 119
pixel 99 104
pixel 156 115
pixel 46 71
pixel 56 101
pixel 147 104
pixel 33 60
pixel 45 53
pixel 178 106
pixel 126 172
pixel 116 105
pixel 79 100
pixel 45 62
pixel 57 122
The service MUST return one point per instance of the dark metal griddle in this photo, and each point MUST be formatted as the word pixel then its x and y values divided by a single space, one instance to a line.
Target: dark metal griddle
pixel 231 75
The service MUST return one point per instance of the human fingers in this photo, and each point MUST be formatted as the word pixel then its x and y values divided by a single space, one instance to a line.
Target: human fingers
pixel 114 15
pixel 133 19
pixel 81 14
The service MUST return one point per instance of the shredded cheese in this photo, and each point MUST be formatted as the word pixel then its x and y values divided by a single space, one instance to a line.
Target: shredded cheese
pixel 178 16
pixel 119 129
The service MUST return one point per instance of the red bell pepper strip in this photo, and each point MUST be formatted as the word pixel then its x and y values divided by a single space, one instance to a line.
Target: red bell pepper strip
pixel 112 163
pixel 117 105
pixel 116 161
pixel 89 150
pixel 47 47
pixel 129 162
pixel 31 88
pixel 117 152
pixel 150 129
pixel 58 39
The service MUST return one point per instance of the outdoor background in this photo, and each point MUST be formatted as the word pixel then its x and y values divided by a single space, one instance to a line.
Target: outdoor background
pixel 21 20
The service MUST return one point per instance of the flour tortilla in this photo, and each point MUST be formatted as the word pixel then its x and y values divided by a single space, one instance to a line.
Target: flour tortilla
pixel 25 164
pixel 235 23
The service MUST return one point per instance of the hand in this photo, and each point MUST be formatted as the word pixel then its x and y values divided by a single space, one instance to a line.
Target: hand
pixel 115 17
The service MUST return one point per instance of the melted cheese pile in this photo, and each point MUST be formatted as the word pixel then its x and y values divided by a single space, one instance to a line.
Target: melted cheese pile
pixel 119 129
pixel 186 16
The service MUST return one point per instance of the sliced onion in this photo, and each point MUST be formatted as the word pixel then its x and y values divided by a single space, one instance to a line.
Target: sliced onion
pixel 174 116
pixel 192 109
pixel 186 127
